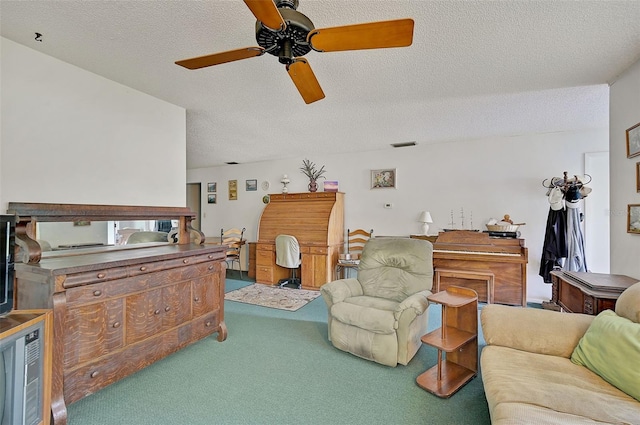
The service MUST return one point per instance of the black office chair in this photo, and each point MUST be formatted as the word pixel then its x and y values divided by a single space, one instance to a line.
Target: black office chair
pixel 288 255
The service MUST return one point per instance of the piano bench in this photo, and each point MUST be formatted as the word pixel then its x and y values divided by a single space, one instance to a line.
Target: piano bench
pixel 487 277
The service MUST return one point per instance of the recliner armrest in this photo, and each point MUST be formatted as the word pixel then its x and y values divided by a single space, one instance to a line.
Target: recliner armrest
pixel 533 330
pixel 418 302
pixel 339 290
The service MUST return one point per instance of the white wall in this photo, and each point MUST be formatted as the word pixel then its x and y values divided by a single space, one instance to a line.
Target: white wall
pixel 624 111
pixel 70 136
pixel 487 178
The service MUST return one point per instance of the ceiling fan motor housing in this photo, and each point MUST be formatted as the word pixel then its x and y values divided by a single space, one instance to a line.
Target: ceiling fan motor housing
pixel 290 42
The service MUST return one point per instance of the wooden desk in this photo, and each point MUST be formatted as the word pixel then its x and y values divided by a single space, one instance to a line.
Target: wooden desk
pixel 316 220
pixel 588 293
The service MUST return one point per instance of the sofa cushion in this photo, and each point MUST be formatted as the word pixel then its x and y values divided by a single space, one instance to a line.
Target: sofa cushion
pixel 369 313
pixel 513 377
pixel 611 348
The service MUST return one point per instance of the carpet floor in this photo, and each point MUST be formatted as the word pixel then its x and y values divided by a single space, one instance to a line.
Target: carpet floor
pixel 278 367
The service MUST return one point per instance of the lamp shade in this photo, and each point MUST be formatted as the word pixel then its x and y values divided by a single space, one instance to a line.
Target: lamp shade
pixel 425 217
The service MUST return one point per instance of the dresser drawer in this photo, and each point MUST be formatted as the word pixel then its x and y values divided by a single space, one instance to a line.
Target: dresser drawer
pixel 87 278
pixel 264 258
pixel 101 291
pixel 264 274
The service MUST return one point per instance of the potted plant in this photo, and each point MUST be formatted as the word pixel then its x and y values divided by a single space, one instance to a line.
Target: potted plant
pixel 309 169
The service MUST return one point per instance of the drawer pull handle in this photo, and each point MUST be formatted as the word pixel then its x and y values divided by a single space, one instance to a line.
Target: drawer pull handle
pixel 157 312
pixel 210 257
pixel 167 308
pixel 197 299
pixel 208 323
pixel 143 269
pixel 211 267
pixel 95 373
pixel 186 261
pixel 97 293
pixel 116 324
pixel 101 275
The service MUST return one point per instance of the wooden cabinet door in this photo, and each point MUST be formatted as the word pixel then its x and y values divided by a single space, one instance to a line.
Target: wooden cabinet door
pixel 143 315
pixel 205 291
pixel 176 305
pixel 92 330
pixel 157 310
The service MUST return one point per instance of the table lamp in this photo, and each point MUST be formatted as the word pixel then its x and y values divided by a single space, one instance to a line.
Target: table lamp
pixel 285 181
pixel 425 219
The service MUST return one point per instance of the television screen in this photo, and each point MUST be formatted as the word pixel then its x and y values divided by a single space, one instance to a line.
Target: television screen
pixel 7 243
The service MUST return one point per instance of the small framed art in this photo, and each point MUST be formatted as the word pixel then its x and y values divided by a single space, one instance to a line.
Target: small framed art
pixel 330 186
pixel 633 141
pixel 633 219
pixel 383 179
pixel 638 177
pixel 211 187
pixel 251 185
pixel 212 198
pixel 233 190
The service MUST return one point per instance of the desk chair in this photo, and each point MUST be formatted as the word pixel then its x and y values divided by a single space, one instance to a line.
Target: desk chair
pixel 234 239
pixel 355 244
pixel 288 255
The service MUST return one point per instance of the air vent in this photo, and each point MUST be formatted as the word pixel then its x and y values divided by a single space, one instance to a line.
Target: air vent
pixel 231 163
pixel 403 145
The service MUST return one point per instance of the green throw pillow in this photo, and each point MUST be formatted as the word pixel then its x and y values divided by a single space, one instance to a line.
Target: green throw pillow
pixel 611 348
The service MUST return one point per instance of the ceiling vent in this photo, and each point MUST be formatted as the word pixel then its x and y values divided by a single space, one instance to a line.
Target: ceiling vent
pixel 231 163
pixel 403 145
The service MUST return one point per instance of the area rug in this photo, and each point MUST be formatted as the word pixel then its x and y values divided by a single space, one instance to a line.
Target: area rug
pixel 272 296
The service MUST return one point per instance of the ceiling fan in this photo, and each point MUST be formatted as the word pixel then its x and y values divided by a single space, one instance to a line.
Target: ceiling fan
pixel 284 32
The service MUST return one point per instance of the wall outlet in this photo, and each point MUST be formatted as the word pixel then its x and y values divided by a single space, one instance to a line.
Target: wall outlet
pixel 388 206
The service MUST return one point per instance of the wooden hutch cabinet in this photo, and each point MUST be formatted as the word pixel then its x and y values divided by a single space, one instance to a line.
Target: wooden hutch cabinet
pixel 117 310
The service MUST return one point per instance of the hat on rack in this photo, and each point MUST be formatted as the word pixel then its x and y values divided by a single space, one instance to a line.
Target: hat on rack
pixel 555 199
pixel 584 191
pixel 573 193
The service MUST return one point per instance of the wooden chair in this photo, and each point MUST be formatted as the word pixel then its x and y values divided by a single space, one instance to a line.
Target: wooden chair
pixel 234 239
pixel 355 244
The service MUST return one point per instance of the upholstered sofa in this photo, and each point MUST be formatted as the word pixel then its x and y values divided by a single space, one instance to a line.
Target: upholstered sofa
pixel 547 367
pixel 382 314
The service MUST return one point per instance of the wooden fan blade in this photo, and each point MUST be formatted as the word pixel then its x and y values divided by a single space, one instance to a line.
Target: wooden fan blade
pixel 266 12
pixel 374 35
pixel 223 57
pixel 305 80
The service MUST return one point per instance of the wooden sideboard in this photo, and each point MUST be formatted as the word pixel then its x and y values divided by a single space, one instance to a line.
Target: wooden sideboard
pixel 317 222
pixel 117 309
pixel 588 293
pixel 117 312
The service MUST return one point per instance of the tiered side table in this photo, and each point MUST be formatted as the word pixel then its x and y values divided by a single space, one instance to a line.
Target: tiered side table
pixel 458 338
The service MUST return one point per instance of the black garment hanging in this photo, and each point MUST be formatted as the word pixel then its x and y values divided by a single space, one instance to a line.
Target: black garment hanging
pixel 554 249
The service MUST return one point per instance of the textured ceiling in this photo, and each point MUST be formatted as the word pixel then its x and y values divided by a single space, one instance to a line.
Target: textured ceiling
pixel 476 69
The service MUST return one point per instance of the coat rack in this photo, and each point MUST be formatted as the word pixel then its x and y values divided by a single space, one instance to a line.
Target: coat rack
pixel 567 184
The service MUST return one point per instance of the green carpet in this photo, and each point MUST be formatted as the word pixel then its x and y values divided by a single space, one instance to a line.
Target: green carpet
pixel 277 367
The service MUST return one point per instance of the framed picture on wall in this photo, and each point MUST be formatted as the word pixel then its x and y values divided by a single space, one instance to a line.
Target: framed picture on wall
pixel 383 179
pixel 638 177
pixel 633 219
pixel 252 185
pixel 212 198
pixel 211 187
pixel 233 190
pixel 633 141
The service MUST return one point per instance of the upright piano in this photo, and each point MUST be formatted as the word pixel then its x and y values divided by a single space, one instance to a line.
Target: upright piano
pixel 317 222
pixel 495 267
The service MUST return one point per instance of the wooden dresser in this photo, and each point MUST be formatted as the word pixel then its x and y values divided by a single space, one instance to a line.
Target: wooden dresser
pixel 117 312
pixel 117 309
pixel 317 222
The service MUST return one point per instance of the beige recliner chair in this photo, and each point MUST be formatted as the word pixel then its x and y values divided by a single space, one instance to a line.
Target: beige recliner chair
pixel 382 314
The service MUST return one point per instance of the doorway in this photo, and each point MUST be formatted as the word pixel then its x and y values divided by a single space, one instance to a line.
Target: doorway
pixel 193 202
